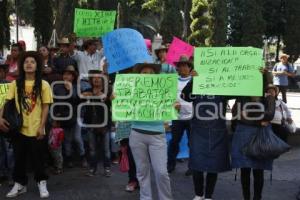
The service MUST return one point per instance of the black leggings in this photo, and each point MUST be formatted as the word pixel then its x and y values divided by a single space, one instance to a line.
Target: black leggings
pixel 211 180
pixel 258 175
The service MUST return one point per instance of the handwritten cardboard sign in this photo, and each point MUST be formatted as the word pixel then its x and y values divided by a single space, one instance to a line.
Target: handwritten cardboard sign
pixel 93 23
pixel 145 97
pixel 228 71
pixel 3 93
pixel 124 48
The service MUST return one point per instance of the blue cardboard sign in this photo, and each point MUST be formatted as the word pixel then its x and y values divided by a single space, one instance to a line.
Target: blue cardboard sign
pixel 124 48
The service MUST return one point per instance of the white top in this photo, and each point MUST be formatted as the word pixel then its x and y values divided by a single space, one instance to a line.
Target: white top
pixel 281 111
pixel 87 62
pixel 186 108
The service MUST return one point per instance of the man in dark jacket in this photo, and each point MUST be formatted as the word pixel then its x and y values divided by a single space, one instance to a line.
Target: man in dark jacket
pixel 63 59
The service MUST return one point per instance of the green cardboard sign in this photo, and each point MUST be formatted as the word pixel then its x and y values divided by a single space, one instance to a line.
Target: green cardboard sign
pixel 3 93
pixel 232 71
pixel 145 97
pixel 93 23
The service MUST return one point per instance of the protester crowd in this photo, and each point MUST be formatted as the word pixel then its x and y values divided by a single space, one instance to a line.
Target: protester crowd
pixel 51 85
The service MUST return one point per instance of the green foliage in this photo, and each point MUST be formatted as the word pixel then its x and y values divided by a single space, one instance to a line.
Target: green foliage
pixel 200 23
pixel 247 26
pixel 171 24
pixel 43 20
pixel 291 37
pixel 153 5
pixel 235 12
pixel 275 18
pixel 25 10
pixel 4 25
pixel 253 27
pixel 218 22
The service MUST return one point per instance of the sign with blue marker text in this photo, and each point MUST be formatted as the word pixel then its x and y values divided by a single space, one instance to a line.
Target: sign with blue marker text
pixel 124 48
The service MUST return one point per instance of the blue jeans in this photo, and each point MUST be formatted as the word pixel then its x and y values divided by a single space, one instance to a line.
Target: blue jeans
pixel 6 158
pixel 99 144
pixel 73 133
pixel 178 128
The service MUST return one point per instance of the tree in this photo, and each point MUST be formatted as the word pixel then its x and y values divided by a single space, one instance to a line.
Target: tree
pixel 253 26
pixel 235 12
pixel 200 23
pixel 107 4
pixel 275 18
pixel 43 20
pixel 64 16
pixel 247 26
pixel 144 16
pixel 218 22
pixel 187 19
pixel 25 11
pixel 4 25
pixel 172 23
pixel 291 36
pixel 274 14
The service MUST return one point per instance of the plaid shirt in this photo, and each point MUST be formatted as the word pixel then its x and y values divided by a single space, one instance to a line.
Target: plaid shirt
pixel 123 130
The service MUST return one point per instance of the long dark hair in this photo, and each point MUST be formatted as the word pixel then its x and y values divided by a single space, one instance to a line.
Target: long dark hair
pixel 37 87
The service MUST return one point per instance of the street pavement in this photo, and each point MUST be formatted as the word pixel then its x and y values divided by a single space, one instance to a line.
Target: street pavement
pixel 74 185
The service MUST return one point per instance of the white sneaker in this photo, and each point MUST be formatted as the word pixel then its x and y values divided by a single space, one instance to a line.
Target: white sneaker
pixel 43 189
pixel 16 190
pixel 198 198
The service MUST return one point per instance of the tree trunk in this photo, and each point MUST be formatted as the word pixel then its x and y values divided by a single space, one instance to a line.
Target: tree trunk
pixel 278 48
pixel 65 17
pixel 187 19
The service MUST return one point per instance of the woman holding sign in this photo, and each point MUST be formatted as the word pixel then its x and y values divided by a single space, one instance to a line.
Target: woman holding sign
pixel 148 143
pixel 209 147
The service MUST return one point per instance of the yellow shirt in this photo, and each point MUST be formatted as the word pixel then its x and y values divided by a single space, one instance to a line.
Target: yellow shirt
pixel 32 112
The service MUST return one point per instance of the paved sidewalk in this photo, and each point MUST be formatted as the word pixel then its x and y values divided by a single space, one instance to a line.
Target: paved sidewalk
pixel 73 185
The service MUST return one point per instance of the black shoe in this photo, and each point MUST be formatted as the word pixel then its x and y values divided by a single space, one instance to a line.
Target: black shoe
pixel 188 172
pixel 180 160
pixel 70 164
pixel 91 173
pixel 171 169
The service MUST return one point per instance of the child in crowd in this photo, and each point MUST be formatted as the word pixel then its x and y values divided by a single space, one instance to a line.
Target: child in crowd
pixel 99 120
pixel 56 137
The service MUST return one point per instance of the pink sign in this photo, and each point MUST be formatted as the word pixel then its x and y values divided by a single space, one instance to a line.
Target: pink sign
pixel 148 43
pixel 177 49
